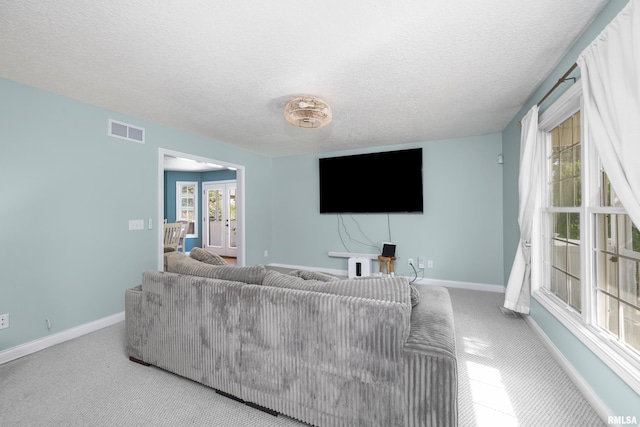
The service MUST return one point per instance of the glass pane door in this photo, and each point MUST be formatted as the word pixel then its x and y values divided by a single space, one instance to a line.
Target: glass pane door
pixel 220 218
pixel 233 223
pixel 214 204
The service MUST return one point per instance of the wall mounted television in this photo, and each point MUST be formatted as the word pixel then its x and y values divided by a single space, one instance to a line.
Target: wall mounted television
pixel 384 182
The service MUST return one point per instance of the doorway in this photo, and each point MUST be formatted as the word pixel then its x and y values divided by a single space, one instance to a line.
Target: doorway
pixel 169 160
pixel 219 216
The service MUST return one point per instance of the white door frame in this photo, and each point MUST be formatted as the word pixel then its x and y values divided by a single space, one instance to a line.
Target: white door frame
pixel 240 202
pixel 225 249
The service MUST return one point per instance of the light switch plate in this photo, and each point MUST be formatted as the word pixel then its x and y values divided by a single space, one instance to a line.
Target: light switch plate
pixel 136 224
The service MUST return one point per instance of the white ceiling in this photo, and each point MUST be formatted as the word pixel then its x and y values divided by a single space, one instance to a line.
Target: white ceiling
pixel 393 72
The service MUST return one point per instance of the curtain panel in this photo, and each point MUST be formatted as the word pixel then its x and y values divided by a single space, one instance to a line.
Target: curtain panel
pixel 610 69
pixel 518 292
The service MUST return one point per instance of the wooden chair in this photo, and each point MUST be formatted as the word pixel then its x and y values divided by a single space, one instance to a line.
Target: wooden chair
pixel 183 235
pixel 172 236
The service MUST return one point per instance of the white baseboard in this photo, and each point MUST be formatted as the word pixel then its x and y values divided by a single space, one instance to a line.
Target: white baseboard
pixel 461 285
pixel 425 281
pixel 58 338
pixel 594 400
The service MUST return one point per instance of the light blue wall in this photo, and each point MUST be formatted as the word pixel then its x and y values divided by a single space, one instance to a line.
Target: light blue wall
pixel 68 192
pixel 460 230
pixel 614 393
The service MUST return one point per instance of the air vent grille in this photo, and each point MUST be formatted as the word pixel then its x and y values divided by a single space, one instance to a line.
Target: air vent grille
pixel 126 131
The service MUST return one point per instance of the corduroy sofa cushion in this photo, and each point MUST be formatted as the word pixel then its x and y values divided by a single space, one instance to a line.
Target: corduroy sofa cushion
pixel 415 296
pixel 205 256
pixel 182 264
pixel 394 289
pixel 313 275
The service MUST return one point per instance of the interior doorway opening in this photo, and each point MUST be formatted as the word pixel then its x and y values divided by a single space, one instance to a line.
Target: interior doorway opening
pixel 174 166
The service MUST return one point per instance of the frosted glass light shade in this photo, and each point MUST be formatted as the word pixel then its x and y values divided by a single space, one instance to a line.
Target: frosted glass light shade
pixel 307 112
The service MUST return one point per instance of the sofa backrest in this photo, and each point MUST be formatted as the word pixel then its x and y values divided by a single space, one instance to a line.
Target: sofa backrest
pixel 193 327
pixel 182 264
pixel 324 358
pixel 393 289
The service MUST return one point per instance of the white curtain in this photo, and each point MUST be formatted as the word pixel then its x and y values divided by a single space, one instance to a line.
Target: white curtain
pixel 610 69
pixel 518 292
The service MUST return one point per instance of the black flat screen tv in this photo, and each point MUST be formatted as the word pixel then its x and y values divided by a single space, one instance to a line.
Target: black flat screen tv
pixel 386 182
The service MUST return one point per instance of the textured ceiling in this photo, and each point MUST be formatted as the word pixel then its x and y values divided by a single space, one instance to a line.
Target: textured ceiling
pixel 393 72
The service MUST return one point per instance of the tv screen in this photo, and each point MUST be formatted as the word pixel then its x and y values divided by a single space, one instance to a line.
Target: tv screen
pixel 372 183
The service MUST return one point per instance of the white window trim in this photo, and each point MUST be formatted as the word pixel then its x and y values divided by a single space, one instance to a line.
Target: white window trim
pixel 600 343
pixel 180 184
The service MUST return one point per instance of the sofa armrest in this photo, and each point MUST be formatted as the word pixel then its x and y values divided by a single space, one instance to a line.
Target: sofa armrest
pixel 431 373
pixel 432 328
pixel 134 323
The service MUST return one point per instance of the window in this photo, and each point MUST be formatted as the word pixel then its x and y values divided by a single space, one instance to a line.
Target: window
pixel 563 215
pixel 586 257
pixel 187 205
pixel 617 290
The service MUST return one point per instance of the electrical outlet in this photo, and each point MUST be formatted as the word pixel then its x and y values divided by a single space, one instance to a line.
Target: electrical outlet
pixel 421 262
pixel 410 263
pixel 4 321
pixel 430 263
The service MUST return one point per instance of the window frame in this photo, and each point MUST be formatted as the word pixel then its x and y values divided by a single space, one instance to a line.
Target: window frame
pixel 550 210
pixel 179 185
pixel 583 325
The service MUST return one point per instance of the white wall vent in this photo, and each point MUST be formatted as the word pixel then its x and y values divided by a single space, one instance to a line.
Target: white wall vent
pixel 126 131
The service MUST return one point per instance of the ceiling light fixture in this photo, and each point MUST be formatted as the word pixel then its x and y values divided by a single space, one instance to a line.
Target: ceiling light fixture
pixel 307 112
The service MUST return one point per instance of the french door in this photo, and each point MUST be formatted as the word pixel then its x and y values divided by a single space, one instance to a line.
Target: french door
pixel 219 218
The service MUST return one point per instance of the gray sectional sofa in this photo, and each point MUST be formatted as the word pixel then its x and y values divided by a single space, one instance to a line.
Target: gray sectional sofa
pixel 329 352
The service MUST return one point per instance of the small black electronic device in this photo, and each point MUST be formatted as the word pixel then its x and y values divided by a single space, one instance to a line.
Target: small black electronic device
pixel 388 250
